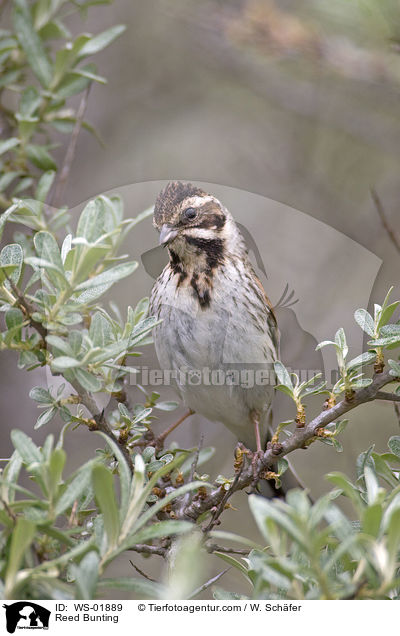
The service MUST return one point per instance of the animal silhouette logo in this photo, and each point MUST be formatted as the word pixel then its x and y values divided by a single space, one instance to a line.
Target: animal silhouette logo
pixel 26 615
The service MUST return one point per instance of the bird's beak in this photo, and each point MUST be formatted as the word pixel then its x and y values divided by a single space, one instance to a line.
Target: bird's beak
pixel 167 234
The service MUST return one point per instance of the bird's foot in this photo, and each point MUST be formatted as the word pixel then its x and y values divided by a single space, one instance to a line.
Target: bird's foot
pixel 256 466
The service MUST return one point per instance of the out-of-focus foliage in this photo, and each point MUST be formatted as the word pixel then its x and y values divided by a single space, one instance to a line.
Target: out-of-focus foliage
pixel 41 67
pixel 314 551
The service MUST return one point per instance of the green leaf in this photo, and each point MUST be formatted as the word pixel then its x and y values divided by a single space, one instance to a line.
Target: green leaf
pixel 22 537
pixel 72 84
pixel 64 362
pixel 4 217
pixel 100 41
pixel 166 406
pixel 394 445
pixel 88 381
pixel 8 144
pixel 91 221
pixel 103 485
pixel 75 488
pixel 109 277
pixel 44 185
pixel 340 340
pixel 12 255
pixel 86 575
pixel 28 450
pixel 100 332
pixel 359 361
pixel 140 587
pixel 161 529
pixel 40 157
pixel 123 472
pixel 31 43
pixel 348 489
pixel 372 518
pixel 264 510
pixel 40 395
pixel 45 417
pixel 365 321
pixel 395 368
pixel 283 375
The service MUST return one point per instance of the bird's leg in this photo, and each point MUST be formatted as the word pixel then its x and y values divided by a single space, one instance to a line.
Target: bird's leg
pixel 255 418
pixel 159 441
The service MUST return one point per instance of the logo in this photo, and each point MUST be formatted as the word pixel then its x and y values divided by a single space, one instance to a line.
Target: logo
pixel 26 615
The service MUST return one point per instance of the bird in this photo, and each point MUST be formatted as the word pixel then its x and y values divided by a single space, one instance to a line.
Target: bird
pixel 213 310
pixel 217 334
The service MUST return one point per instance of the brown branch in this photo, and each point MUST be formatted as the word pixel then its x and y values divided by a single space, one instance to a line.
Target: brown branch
pixel 100 420
pixel 141 572
pixel 161 438
pixel 392 234
pixel 28 310
pixel 397 411
pixel 143 548
pixel 297 440
pixel 390 397
pixel 208 583
pixel 69 155
pixel 219 548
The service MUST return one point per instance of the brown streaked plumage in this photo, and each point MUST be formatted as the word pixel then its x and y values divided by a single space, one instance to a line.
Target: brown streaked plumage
pixel 213 308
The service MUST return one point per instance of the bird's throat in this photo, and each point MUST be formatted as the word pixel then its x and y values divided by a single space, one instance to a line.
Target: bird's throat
pixel 195 263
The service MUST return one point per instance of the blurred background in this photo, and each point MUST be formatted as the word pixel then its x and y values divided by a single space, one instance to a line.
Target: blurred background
pixel 288 112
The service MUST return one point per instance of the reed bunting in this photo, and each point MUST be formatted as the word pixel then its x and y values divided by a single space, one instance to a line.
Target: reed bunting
pixel 218 335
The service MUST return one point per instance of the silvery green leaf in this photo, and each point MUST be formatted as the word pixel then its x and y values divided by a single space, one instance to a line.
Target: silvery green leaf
pixel 325 343
pixel 359 361
pixel 12 255
pixel 40 157
pixel 394 445
pixel 100 330
pixel 365 321
pixel 166 406
pixel 385 342
pixel 41 395
pixel 283 375
pixel 8 144
pixel 65 362
pixel 99 42
pixel 394 368
pixel 31 43
pixel 44 185
pixel 45 417
pixel 109 276
pixel 340 340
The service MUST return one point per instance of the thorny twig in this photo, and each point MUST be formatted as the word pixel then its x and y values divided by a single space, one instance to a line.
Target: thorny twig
pixel 213 547
pixel 69 155
pixel 28 310
pixel 392 234
pixel 101 423
pixel 141 572
pixel 208 583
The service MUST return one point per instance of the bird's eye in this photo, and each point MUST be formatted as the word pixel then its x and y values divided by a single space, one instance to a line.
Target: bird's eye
pixel 190 214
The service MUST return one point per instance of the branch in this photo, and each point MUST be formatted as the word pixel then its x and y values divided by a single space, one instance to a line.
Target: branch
pixel 394 237
pixel 69 155
pixel 141 572
pixel 208 583
pixel 397 411
pixel 219 548
pixel 297 440
pixel 101 422
pixel 28 310
pixel 391 397
pixel 143 548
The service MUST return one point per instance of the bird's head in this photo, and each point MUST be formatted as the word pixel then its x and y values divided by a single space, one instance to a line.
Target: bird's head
pixel 190 220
